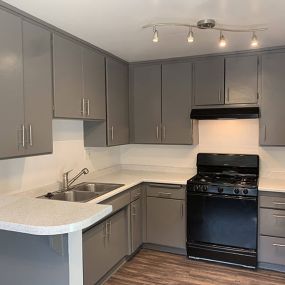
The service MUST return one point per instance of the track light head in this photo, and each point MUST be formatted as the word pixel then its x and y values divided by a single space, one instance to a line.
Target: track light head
pixel 254 40
pixel 222 40
pixel 155 35
pixel 190 37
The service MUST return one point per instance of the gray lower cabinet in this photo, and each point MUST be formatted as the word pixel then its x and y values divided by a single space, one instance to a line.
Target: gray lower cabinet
pixel 271 253
pixel 208 82
pixel 136 224
pixel 25 80
pixel 79 80
pixel 241 79
pixel 177 127
pixel 165 217
pixel 104 246
pixel 117 76
pixel 272 100
pixel 146 103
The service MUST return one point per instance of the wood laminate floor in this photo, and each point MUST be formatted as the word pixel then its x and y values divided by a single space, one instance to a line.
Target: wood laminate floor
pixel 158 268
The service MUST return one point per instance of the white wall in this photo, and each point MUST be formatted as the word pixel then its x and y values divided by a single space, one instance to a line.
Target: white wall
pixel 220 136
pixel 68 153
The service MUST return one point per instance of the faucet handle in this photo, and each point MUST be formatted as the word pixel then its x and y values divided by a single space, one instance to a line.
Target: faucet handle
pixel 67 172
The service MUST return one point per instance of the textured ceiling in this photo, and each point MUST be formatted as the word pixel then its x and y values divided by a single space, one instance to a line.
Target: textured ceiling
pixel 115 25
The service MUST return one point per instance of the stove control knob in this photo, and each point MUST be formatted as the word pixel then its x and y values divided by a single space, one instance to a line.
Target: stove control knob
pixel 245 191
pixel 196 187
pixel 205 188
pixel 236 191
pixel 220 190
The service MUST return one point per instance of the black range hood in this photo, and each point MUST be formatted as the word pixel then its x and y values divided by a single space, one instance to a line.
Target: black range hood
pixel 225 113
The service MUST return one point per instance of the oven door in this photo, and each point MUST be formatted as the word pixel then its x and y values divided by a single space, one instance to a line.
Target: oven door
pixel 222 220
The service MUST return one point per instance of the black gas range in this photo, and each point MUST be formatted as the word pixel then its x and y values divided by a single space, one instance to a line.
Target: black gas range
pixel 222 209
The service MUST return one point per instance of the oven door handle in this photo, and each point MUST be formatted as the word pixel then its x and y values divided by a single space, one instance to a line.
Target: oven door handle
pixel 223 196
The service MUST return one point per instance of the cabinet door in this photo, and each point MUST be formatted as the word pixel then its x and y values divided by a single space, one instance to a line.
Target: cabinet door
pixel 176 103
pixel 117 102
pixel 272 100
pixel 37 88
pixel 209 82
pixel 166 222
pixel 117 234
pixel 136 223
pixel 241 80
pixel 67 78
pixel 94 84
pixel 96 260
pixel 11 84
pixel 146 103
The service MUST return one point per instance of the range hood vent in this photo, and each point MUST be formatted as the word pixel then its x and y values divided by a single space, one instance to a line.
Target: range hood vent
pixel 225 113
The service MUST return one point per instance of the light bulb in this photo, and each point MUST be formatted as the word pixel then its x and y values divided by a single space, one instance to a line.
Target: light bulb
pixel 155 35
pixel 254 41
pixel 190 37
pixel 222 40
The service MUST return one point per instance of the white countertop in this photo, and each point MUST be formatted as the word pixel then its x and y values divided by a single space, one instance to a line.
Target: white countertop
pixel 25 213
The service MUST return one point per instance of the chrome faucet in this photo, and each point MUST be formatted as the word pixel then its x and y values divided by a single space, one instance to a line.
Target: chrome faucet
pixel 67 183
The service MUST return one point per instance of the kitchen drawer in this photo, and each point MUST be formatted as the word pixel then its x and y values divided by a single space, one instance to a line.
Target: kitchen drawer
pixel 136 193
pixel 271 250
pixel 118 202
pixel 272 202
pixel 170 191
pixel 272 222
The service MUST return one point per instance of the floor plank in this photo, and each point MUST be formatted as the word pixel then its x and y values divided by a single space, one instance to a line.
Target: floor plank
pixel 158 268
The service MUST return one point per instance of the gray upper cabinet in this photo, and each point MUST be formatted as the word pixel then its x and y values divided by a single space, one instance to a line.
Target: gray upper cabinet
pixel 117 102
pixel 26 88
pixel 94 84
pixel 68 97
pixel 209 82
pixel 146 103
pixel 176 103
pixel 11 82
pixel 272 100
pixel 241 79
pixel 37 88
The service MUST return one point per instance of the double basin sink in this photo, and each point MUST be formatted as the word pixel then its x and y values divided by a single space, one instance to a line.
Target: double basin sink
pixel 83 192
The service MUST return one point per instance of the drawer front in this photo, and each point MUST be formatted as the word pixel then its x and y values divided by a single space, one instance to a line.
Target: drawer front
pixel 171 191
pixel 118 202
pixel 272 202
pixel 136 193
pixel 271 250
pixel 272 222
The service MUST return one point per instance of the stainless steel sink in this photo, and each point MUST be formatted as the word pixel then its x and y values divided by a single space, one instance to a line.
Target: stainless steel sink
pixel 83 192
pixel 100 188
pixel 74 196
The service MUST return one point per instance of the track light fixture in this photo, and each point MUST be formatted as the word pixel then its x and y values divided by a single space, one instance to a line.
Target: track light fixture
pixel 209 24
pixel 155 35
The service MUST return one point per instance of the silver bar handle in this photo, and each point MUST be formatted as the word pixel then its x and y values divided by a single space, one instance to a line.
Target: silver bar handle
pixel 279 216
pixel 164 194
pixel 265 134
pixel 88 107
pixel 110 229
pixel 30 135
pixel 278 203
pixel 23 131
pixel 220 95
pixel 169 186
pixel 164 132
pixel 157 132
pixel 112 133
pixel 228 94
pixel 278 245
pixel 83 107
pixel 182 210
pixel 134 211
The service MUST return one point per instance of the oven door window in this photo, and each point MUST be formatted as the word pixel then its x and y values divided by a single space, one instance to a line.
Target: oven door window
pixel 222 220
